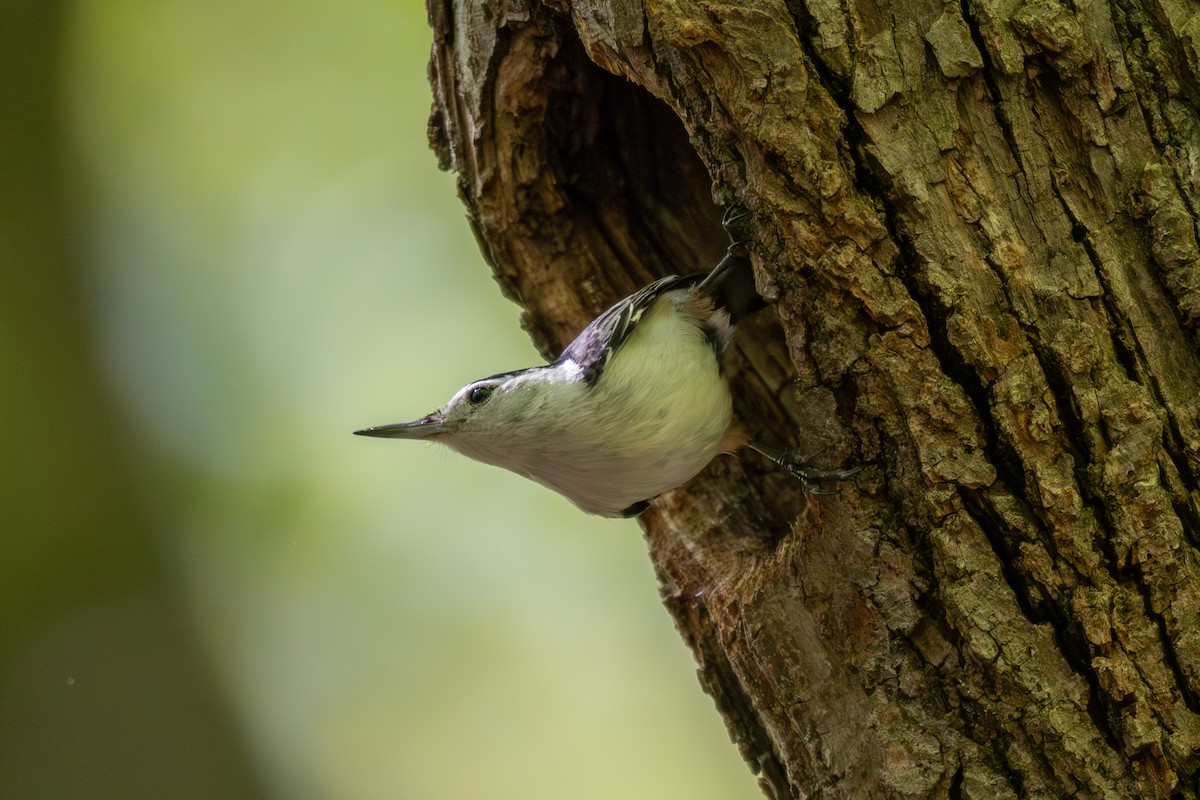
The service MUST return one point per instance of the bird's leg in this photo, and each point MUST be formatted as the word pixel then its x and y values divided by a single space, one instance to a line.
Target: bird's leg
pixel 797 466
pixel 734 222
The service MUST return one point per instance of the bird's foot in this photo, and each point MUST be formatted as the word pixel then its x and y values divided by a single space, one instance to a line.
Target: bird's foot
pixel 735 222
pixel 812 478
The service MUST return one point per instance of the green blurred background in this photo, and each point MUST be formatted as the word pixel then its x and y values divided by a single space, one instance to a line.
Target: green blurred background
pixel 225 245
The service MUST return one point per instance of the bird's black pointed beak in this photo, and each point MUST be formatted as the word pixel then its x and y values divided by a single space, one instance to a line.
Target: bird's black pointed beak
pixel 424 428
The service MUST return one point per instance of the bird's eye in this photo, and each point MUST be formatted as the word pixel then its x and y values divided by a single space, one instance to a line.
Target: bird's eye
pixel 480 394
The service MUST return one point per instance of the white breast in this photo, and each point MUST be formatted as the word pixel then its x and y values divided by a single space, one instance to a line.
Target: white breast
pixel 655 417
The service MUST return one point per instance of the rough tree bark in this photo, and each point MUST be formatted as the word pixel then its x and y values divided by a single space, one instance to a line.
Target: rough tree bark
pixel 977 226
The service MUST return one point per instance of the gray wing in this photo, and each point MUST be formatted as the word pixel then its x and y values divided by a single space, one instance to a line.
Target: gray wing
pixel 592 347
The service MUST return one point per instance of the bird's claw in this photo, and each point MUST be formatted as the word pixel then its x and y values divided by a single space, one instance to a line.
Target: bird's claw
pixel 814 479
pixel 734 223
pixel 811 478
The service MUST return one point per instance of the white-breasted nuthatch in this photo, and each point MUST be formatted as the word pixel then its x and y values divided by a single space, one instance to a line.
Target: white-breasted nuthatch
pixel 637 405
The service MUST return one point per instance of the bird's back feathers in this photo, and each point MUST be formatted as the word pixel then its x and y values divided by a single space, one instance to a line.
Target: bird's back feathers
pixel 730 285
pixel 607 332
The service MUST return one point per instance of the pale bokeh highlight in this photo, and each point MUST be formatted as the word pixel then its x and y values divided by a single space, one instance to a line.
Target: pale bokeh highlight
pixel 275 261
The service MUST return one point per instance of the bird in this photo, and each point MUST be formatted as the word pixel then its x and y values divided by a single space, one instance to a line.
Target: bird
pixel 635 406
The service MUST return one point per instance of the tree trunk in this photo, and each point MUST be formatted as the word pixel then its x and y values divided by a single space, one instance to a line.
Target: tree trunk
pixel 977 227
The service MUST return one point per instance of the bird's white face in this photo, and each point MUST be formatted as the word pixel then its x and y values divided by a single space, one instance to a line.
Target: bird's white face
pixel 526 421
pixel 487 407
pixel 477 408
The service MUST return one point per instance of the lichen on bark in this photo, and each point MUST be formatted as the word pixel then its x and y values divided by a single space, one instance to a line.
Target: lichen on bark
pixel 976 225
